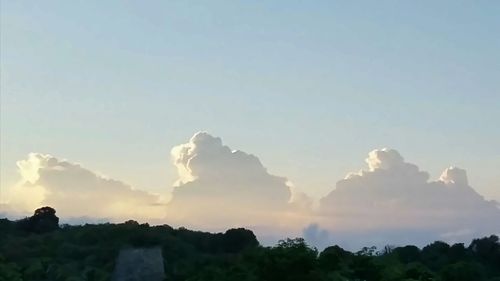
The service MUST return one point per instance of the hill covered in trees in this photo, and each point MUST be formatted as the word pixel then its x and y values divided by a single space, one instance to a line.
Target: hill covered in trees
pixel 38 248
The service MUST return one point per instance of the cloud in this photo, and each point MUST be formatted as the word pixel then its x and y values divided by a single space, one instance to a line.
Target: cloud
pixel 75 191
pixel 315 236
pixel 6 211
pixel 395 195
pixel 218 186
pixel 454 175
pixel 390 201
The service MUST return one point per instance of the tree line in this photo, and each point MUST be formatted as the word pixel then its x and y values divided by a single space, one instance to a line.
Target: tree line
pixel 38 248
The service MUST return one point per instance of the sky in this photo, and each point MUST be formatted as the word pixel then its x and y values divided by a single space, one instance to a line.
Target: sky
pixel 310 88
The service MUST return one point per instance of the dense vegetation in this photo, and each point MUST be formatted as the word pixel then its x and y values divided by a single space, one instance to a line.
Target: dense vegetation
pixel 37 248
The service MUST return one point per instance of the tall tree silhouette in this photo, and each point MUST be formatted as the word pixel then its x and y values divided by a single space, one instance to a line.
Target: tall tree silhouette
pixel 44 220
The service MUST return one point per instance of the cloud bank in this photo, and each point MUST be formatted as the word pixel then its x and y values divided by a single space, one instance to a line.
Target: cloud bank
pixel 75 191
pixel 391 200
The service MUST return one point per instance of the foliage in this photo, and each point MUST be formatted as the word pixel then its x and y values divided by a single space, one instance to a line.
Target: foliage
pixel 44 220
pixel 37 248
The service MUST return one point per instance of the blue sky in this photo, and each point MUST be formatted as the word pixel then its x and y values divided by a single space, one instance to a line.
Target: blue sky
pixel 308 87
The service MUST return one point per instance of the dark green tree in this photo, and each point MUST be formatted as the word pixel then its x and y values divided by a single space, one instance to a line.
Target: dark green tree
pixel 44 220
pixel 407 254
pixel 463 271
pixel 238 239
pixel 290 260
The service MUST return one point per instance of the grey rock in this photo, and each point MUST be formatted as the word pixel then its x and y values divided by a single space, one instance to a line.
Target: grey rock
pixel 139 265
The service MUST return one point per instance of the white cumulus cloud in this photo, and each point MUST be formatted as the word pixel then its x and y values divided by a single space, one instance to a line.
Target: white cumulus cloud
pixel 397 196
pixel 75 191
pixel 218 186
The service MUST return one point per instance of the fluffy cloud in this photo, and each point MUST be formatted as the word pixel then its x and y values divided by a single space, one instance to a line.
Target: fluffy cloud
pixel 395 195
pixel 75 191
pixel 218 186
